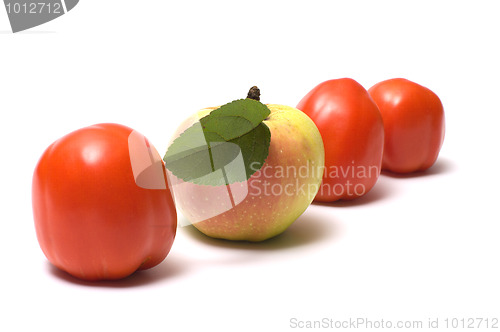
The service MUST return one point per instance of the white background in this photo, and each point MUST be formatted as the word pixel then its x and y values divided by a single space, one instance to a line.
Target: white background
pixel 414 248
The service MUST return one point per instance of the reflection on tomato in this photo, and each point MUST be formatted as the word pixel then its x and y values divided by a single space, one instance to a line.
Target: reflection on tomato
pixel 102 206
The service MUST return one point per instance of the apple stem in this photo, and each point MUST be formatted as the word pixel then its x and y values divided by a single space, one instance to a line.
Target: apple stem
pixel 254 93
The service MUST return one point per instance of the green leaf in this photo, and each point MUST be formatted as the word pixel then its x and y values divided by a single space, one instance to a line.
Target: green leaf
pixel 235 119
pixel 226 146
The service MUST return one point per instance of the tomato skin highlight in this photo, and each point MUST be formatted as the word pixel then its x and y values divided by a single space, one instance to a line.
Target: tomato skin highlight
pixel 353 135
pixel 414 124
pixel 92 218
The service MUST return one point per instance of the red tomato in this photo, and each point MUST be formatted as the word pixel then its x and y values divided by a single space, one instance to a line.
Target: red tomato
pixel 414 124
pixel 353 135
pixel 102 207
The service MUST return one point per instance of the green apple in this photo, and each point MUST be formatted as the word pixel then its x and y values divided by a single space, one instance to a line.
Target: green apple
pixel 273 197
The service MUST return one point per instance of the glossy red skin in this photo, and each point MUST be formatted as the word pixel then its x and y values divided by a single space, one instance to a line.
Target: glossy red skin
pixel 92 220
pixel 414 124
pixel 353 135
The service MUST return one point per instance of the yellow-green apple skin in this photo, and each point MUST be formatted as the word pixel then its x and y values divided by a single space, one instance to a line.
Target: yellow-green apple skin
pixel 272 198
